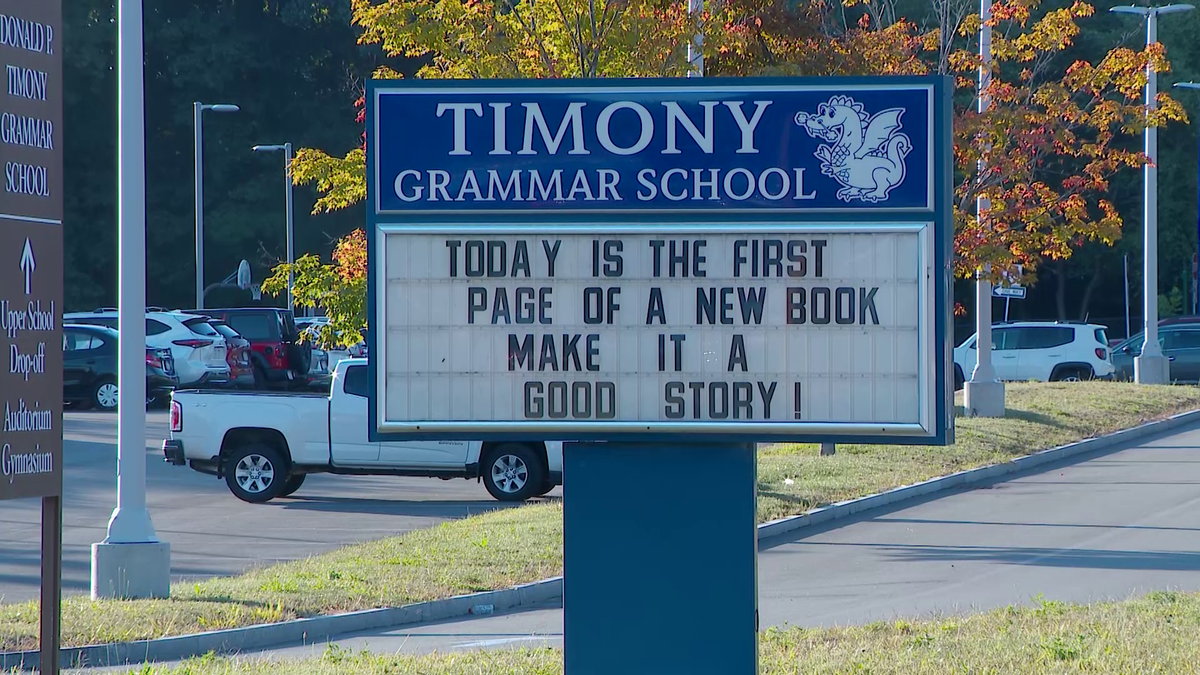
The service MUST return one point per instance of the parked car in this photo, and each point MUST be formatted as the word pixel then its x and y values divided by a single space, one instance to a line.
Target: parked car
pixel 161 379
pixel 310 327
pixel 197 348
pixel 90 368
pixel 263 445
pixel 278 356
pixel 1043 351
pixel 1179 339
pixel 237 354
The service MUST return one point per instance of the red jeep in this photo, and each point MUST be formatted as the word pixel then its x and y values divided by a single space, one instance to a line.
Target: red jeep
pixel 278 357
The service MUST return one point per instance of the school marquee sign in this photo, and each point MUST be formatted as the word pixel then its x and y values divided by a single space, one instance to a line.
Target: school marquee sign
pixel 591 259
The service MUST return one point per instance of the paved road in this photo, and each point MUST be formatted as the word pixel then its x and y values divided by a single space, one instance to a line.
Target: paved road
pixel 210 531
pixel 1109 527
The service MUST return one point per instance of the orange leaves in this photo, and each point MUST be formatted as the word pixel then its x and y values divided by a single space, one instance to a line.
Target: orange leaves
pixel 350 256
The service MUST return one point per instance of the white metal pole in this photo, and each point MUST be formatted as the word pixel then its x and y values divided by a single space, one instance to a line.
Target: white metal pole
pixel 695 51
pixel 130 522
pixel 1150 366
pixel 1127 333
pixel 291 254
pixel 983 395
pixel 198 111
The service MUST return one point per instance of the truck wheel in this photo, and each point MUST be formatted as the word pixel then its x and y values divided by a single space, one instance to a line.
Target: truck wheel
pixel 293 483
pixel 546 487
pixel 513 473
pixel 255 473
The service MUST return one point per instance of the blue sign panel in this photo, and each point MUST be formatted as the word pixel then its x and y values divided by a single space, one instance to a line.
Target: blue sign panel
pixel 683 146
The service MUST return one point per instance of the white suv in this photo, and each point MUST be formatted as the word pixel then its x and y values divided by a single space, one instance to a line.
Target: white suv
pixel 1043 351
pixel 198 349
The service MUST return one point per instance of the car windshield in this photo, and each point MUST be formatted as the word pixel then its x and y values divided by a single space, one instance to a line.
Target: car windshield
pixel 256 326
pixel 224 329
pixel 200 326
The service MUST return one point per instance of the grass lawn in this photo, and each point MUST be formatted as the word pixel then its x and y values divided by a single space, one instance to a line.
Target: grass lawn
pixel 1156 634
pixel 506 547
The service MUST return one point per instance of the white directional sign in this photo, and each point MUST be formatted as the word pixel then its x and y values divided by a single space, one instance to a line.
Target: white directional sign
pixel 637 329
pixel 28 264
pixel 1009 292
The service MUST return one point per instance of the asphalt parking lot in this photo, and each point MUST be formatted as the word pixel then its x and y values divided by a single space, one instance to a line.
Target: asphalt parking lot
pixel 210 531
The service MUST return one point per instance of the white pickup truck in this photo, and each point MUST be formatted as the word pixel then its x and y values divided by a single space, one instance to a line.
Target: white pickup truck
pixel 264 444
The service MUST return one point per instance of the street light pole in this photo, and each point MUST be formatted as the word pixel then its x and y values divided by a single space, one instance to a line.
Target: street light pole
pixel 695 50
pixel 198 109
pixel 983 395
pixel 1196 289
pixel 287 192
pixel 1151 367
pixel 131 562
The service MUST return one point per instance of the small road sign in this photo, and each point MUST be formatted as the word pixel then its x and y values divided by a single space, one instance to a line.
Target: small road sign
pixel 1017 292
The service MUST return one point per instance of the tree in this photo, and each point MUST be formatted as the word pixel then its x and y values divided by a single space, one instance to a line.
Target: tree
pixel 1043 154
pixel 340 288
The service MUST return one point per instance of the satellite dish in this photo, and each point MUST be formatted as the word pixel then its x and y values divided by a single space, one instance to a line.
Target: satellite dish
pixel 243 275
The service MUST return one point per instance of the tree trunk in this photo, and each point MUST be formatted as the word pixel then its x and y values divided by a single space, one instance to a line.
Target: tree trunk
pixel 1092 285
pixel 1060 289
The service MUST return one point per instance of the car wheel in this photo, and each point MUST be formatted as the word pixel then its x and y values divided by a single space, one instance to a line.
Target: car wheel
pixel 1072 375
pixel 293 483
pixel 255 473
pixel 260 378
pixel 513 473
pixel 959 380
pixel 105 395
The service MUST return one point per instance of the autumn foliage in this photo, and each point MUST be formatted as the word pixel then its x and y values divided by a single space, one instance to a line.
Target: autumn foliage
pixel 1042 155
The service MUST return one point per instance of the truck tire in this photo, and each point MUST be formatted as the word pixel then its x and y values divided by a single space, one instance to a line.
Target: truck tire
pixel 513 473
pixel 293 483
pixel 255 473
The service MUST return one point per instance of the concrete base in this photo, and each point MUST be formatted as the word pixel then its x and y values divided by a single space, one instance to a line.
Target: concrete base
pixel 131 571
pixel 984 399
pixel 1151 369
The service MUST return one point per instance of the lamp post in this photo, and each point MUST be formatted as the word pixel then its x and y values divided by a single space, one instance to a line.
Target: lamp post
pixel 1151 367
pixel 286 148
pixel 198 109
pixel 695 50
pixel 983 395
pixel 131 562
pixel 1195 290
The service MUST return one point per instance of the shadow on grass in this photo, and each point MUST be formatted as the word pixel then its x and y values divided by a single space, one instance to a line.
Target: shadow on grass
pixel 804 503
pixel 1023 415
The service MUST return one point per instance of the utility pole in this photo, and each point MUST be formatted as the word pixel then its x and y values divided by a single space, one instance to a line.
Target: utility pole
pixel 198 109
pixel 1151 367
pixel 983 395
pixel 286 148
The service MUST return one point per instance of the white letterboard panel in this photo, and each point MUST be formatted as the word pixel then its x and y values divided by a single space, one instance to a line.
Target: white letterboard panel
pixel 767 329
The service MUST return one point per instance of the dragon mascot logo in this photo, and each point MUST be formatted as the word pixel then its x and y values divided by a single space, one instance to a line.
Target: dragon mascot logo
pixel 864 153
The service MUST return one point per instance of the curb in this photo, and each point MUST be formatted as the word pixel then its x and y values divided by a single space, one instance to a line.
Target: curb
pixel 309 630
pixel 319 628
pixel 982 474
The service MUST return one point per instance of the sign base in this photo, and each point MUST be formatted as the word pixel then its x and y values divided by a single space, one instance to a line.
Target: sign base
pixel 983 399
pixel 131 571
pixel 660 558
pixel 1152 369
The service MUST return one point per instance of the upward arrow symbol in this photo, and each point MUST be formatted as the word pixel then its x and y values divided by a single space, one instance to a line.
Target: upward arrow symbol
pixel 28 264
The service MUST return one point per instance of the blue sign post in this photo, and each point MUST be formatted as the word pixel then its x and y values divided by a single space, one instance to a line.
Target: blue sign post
pixel 662 272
